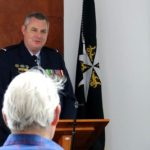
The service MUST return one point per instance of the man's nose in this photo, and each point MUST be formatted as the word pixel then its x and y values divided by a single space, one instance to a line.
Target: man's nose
pixel 39 34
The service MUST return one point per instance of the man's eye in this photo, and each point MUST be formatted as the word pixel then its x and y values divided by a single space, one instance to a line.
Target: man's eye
pixel 33 30
pixel 43 31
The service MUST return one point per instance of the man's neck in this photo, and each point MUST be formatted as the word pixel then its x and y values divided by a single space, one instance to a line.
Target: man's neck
pixel 32 52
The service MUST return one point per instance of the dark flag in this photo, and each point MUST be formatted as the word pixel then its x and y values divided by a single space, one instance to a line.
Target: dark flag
pixel 88 83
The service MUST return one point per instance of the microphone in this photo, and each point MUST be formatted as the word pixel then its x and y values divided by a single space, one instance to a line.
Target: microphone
pixel 76 105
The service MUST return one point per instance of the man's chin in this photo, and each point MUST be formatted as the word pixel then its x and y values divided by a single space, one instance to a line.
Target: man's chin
pixel 36 49
pixel 37 46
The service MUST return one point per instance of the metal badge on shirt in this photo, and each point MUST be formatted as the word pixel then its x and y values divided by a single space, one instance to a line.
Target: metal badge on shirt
pixel 22 68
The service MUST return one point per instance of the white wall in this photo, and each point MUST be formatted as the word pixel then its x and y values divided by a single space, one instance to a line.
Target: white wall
pixel 123 34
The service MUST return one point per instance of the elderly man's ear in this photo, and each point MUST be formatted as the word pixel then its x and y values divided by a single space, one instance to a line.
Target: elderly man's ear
pixel 56 115
pixel 4 118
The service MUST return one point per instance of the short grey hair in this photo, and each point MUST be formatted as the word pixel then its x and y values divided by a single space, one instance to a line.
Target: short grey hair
pixel 30 100
pixel 37 15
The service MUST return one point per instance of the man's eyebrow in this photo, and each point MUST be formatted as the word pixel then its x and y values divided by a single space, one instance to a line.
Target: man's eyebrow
pixel 33 28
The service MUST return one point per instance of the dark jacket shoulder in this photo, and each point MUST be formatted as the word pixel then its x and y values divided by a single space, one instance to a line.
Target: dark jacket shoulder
pixel 12 47
pixel 9 49
pixel 51 51
pixel 3 50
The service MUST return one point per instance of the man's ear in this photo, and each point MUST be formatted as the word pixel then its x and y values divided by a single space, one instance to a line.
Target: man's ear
pixel 22 29
pixel 56 115
pixel 4 118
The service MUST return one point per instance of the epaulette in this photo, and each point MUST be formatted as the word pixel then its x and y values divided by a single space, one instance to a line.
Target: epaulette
pixel 58 52
pixel 10 47
pixel 52 49
pixel 3 49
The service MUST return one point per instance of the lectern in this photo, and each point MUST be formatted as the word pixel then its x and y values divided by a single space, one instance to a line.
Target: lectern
pixel 86 132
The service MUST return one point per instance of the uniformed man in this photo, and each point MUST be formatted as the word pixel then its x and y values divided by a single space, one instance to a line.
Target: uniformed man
pixel 29 53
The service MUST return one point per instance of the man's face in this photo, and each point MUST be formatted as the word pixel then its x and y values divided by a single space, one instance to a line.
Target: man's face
pixel 35 34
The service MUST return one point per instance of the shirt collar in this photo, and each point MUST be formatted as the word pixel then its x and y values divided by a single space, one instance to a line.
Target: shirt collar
pixel 37 54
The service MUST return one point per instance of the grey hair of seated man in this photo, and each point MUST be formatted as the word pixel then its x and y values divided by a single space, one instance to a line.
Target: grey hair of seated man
pixel 31 103
pixel 37 15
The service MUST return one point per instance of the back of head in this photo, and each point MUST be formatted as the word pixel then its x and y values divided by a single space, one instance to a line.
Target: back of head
pixel 30 101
